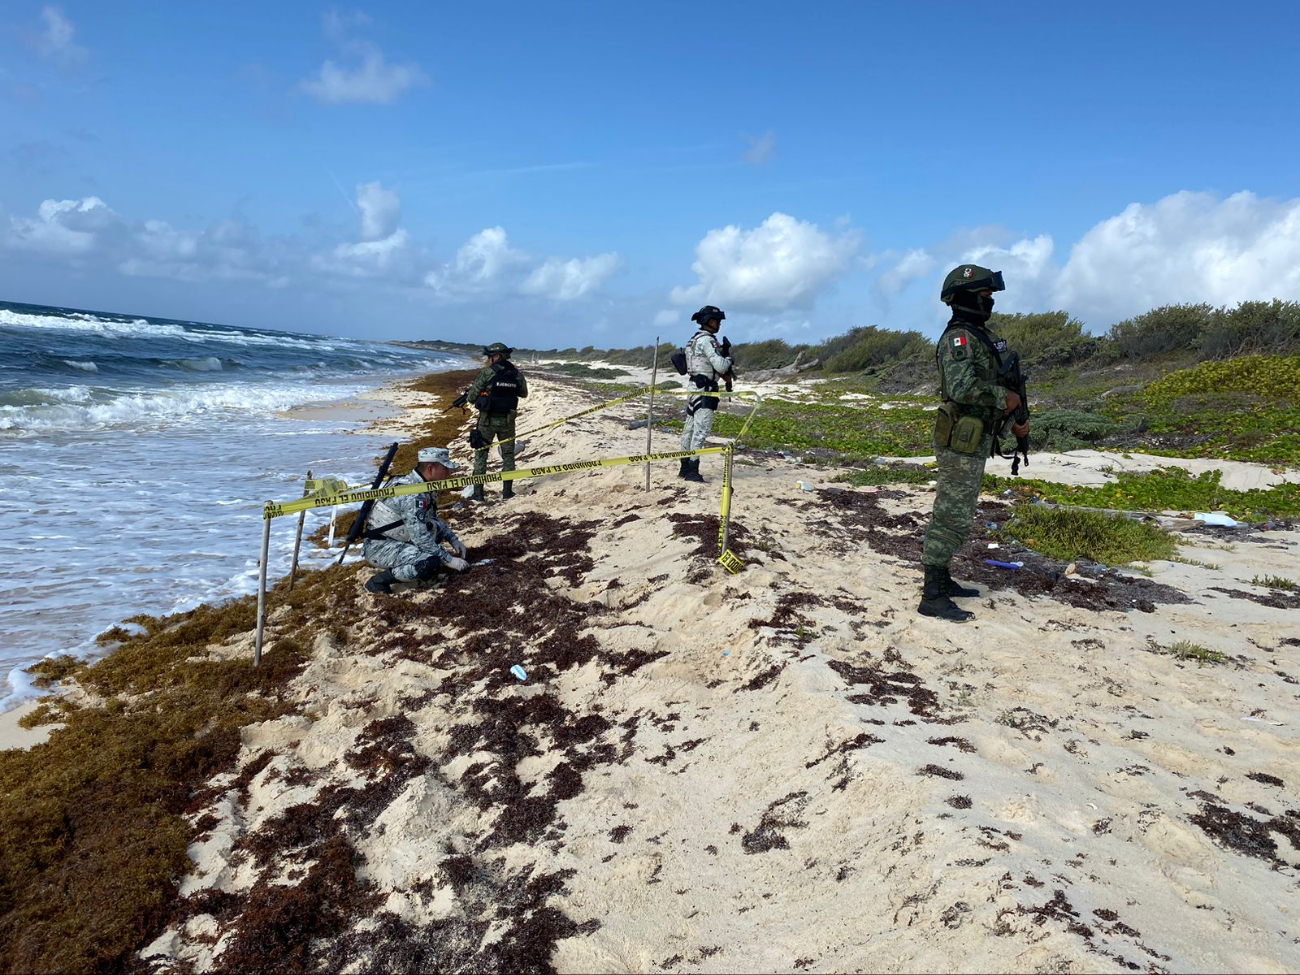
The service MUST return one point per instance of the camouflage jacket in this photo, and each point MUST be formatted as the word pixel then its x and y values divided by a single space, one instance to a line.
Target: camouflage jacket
pixel 418 514
pixel 968 370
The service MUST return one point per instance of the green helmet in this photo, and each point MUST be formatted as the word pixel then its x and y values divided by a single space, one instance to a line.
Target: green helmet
pixel 970 277
pixel 498 348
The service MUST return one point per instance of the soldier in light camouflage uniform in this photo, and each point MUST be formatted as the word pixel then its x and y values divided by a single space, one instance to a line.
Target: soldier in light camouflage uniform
pixel 974 405
pixel 706 363
pixel 404 536
pixel 496 393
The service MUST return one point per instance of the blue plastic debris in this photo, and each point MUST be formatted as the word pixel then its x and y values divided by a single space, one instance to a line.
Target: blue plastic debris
pixel 519 672
pixel 1004 565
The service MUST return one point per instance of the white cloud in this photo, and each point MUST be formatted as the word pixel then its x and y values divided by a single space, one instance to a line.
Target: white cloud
pixel 364 75
pixel 761 149
pixel 1187 247
pixel 55 42
pixel 568 280
pixel 914 264
pixel 71 227
pixel 782 263
pixel 370 258
pixel 380 210
pixel 1027 263
pixel 481 262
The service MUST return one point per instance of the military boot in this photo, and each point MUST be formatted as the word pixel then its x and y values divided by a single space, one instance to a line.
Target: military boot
pixel 935 603
pixel 950 587
pixel 684 467
pixel 381 583
pixel 693 470
pixel 507 490
pixel 478 493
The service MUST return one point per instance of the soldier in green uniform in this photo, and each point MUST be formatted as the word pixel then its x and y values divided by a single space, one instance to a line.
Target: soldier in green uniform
pixel 496 394
pixel 974 406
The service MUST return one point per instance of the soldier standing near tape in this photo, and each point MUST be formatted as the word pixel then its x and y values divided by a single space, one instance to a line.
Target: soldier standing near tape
pixel 404 536
pixel 496 394
pixel 974 404
pixel 706 363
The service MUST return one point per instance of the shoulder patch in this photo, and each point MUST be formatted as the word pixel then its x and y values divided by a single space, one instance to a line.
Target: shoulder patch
pixel 1000 345
pixel 958 341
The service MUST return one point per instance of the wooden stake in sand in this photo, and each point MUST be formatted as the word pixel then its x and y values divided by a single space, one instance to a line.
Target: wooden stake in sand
pixel 297 542
pixel 650 409
pixel 261 592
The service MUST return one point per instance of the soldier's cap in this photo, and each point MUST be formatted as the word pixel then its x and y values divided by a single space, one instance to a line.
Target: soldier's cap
pixel 497 348
pixel 437 455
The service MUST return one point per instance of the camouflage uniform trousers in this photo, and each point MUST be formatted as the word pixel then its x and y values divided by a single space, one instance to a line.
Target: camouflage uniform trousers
pixel 956 498
pixel 402 557
pixel 496 426
pixel 700 423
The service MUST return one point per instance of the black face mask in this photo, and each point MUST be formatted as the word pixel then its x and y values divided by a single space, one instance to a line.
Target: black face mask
pixel 970 305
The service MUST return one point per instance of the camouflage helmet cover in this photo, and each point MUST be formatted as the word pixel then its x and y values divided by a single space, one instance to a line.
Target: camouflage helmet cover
pixel 498 348
pixel 970 277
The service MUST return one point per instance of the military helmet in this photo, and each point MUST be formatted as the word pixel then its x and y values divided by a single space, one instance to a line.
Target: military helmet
pixel 970 277
pixel 498 348
pixel 707 313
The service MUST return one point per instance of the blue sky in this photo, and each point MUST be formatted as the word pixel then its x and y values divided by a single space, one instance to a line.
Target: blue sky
pixel 557 174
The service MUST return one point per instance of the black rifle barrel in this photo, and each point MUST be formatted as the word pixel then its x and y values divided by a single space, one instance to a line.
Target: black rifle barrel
pixel 359 524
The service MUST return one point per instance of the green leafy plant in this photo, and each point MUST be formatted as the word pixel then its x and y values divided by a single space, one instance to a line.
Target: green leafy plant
pixel 1068 534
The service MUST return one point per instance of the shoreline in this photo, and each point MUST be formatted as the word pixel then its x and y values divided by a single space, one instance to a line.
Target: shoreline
pixel 707 772
pixel 377 411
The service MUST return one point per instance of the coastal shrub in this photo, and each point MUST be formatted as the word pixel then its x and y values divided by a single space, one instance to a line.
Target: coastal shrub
pixel 1044 339
pixel 873 347
pixel 590 372
pixel 1268 377
pixel 1164 331
pixel 1068 534
pixel 768 354
pixel 1275 582
pixel 1062 429
pixel 1253 328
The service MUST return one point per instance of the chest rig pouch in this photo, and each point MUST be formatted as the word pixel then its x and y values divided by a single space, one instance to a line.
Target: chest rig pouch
pixel 961 433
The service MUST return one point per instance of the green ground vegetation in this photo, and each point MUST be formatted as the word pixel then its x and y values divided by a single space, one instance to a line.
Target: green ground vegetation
pixel 581 371
pixel 881 474
pixel 1068 534
pixel 1187 650
pixel 1164 489
pixel 1275 582
pixel 843 431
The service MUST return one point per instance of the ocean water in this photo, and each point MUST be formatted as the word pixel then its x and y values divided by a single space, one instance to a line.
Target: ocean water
pixel 135 455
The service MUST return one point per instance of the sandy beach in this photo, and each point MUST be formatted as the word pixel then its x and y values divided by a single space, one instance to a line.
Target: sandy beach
pixel 781 770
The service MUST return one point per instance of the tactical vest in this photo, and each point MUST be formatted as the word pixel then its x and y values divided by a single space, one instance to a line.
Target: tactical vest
pixel 502 393
pixel 995 349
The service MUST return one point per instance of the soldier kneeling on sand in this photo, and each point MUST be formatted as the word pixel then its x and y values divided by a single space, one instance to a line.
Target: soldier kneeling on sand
pixel 404 536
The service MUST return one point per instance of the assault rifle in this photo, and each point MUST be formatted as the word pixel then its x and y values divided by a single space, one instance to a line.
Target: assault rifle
pixel 1013 378
pixel 462 400
pixel 359 523
pixel 726 354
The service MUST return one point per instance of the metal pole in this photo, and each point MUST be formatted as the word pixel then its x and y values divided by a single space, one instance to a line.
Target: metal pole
pixel 726 481
pixel 650 409
pixel 297 542
pixel 261 592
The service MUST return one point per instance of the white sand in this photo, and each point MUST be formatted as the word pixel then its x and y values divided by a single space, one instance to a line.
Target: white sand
pixel 1084 757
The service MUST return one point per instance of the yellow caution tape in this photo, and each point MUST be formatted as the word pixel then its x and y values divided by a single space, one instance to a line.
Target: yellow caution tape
pixel 730 562
pixel 323 485
pixel 277 509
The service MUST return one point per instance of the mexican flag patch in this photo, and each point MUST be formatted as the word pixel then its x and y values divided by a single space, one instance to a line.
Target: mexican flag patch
pixel 958 341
